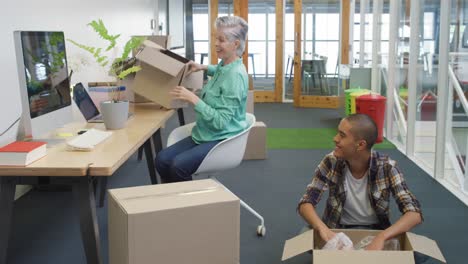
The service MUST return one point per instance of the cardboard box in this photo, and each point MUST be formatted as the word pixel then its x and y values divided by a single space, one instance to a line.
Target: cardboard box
pixel 193 222
pixel 129 93
pixel 162 40
pixel 256 143
pixel 161 71
pixel 250 102
pixel 409 242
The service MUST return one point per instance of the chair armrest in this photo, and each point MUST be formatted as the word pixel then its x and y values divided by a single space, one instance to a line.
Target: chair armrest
pixel 180 133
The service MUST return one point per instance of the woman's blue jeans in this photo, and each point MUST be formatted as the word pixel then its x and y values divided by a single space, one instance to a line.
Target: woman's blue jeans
pixel 179 161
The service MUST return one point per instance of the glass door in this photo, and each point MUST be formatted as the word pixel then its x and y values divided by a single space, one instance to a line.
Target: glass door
pixel 311 53
pixel 265 49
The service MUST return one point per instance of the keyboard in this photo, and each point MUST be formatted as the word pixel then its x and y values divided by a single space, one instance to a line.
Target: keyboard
pixel 88 140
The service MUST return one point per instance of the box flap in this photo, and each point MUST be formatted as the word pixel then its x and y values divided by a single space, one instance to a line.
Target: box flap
pixel 161 61
pixel 298 245
pixel 425 246
pixel 152 44
pixel 192 80
pixel 362 257
pixel 152 198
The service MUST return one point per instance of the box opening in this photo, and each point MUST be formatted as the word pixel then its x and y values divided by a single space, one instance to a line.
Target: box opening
pixel 357 235
pixel 175 56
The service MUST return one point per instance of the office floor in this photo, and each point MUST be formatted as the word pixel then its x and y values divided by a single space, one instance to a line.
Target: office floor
pixel 46 229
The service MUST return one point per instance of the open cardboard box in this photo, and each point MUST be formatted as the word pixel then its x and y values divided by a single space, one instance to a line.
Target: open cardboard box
pixel 161 71
pixel 409 243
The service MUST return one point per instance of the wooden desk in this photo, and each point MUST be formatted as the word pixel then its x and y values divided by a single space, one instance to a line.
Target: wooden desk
pixel 82 169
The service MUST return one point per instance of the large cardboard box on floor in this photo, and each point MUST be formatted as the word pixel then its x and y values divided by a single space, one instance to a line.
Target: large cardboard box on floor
pixel 161 71
pixel 409 243
pixel 256 143
pixel 194 222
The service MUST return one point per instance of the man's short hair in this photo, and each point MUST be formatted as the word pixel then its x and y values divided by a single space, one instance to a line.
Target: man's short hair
pixel 363 128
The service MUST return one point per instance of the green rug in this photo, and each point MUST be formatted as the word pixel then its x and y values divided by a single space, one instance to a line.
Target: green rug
pixel 307 138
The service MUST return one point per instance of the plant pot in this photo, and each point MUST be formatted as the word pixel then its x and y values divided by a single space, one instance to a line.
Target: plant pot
pixel 114 114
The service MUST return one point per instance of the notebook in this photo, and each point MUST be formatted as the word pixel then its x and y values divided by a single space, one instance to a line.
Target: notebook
pixel 86 104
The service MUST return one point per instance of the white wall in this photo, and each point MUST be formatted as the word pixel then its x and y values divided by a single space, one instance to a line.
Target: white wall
pixel 127 17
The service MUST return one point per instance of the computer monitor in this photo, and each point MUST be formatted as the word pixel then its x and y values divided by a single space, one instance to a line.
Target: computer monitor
pixel 44 81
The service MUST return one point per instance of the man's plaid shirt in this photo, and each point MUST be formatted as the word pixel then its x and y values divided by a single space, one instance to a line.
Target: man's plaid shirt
pixel 384 178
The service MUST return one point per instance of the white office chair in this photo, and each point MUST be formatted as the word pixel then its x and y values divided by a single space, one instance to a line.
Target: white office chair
pixel 227 154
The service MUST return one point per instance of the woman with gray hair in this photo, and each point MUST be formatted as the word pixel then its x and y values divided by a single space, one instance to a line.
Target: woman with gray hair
pixel 220 109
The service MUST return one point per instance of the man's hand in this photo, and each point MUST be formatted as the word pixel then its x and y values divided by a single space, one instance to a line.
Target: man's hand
pixel 181 93
pixel 404 224
pixel 376 244
pixel 194 67
pixel 326 234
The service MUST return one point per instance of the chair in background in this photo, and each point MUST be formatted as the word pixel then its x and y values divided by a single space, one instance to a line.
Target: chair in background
pixel 227 154
pixel 314 75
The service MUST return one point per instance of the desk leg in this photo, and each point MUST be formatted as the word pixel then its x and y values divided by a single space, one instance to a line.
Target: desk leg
pixel 180 113
pixel 157 142
pixel 84 199
pixel 102 190
pixel 7 197
pixel 150 161
pixel 140 153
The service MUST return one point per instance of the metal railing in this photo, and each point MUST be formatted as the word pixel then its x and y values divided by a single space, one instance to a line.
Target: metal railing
pixel 460 163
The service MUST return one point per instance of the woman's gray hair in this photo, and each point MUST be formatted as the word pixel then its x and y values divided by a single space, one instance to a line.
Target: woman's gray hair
pixel 237 29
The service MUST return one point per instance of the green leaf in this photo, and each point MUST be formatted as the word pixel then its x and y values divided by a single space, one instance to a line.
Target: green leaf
pixel 101 59
pixel 128 71
pixel 89 49
pixel 132 44
pixel 101 29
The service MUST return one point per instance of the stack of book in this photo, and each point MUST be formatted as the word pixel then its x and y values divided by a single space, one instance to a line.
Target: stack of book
pixel 22 153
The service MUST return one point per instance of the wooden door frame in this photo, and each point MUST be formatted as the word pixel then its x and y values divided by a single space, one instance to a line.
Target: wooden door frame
pixel 241 9
pixel 277 94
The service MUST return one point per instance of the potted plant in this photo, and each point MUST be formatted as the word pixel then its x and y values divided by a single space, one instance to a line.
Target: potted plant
pixel 114 111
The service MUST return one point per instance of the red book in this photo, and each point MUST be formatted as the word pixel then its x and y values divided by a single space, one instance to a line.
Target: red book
pixel 22 153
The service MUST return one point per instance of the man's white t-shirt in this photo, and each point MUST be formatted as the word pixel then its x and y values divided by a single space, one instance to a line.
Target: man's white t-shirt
pixel 357 209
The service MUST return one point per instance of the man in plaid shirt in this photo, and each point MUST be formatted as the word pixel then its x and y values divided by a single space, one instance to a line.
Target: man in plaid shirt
pixel 359 181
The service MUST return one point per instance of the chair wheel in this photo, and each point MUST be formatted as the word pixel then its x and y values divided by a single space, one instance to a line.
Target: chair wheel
pixel 261 230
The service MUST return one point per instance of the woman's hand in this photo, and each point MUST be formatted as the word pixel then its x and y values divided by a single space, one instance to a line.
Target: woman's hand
pixel 181 93
pixel 194 67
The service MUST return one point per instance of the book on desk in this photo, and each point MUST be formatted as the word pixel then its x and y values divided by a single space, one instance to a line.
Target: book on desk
pixel 22 153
